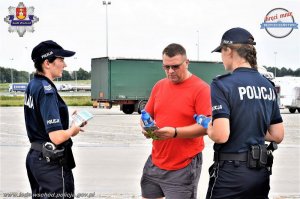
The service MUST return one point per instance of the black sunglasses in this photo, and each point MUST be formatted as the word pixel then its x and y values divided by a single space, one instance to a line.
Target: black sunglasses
pixel 174 67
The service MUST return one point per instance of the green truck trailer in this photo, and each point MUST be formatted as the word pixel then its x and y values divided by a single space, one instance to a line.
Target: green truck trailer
pixel 128 82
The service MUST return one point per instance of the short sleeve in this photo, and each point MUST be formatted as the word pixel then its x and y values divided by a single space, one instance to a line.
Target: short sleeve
pixel 49 110
pixel 220 103
pixel 150 104
pixel 203 101
pixel 276 116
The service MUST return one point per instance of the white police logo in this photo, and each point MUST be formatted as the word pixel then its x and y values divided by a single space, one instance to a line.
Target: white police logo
pixel 52 121
pixel 47 54
pixel 279 23
pixel 217 107
pixel 28 101
pixel 48 88
pixel 21 19
pixel 252 92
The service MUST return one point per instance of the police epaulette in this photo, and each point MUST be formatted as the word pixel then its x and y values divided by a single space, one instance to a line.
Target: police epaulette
pixel 221 76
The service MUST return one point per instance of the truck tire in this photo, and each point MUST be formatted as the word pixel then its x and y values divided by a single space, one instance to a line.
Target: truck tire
pixel 141 105
pixel 292 110
pixel 298 109
pixel 128 108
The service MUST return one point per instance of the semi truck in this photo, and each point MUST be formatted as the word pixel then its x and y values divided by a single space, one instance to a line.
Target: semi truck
pixel 128 82
pixel 17 87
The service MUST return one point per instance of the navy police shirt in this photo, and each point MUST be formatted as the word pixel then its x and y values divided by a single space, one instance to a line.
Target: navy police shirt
pixel 249 101
pixel 44 110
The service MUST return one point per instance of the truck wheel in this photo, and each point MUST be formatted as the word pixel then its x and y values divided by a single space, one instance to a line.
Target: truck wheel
pixel 141 105
pixel 292 110
pixel 298 109
pixel 128 108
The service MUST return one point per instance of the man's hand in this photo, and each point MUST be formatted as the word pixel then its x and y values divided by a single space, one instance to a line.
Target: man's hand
pixel 146 134
pixel 165 133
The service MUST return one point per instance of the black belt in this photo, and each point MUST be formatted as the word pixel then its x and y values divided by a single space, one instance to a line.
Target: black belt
pixel 230 156
pixel 37 146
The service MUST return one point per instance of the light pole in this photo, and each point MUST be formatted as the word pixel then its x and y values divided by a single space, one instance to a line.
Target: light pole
pixel 197 45
pixel 106 3
pixel 275 53
pixel 75 76
pixel 11 71
pixel 76 80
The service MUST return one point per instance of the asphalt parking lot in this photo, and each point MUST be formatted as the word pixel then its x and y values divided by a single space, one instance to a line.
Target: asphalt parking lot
pixel 110 155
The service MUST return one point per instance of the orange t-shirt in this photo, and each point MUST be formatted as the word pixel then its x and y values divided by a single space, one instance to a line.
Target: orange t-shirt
pixel 174 105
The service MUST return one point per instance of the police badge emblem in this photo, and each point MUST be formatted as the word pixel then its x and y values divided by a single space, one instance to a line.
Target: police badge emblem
pixel 21 19
pixel 21 13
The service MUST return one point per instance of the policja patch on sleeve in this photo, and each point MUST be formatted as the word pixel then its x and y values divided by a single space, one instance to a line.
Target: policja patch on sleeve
pixel 47 87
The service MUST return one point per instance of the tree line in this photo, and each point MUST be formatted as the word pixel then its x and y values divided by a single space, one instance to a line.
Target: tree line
pixel 283 71
pixel 8 75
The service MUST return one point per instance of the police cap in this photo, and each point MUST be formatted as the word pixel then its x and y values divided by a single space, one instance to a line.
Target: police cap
pixel 235 36
pixel 48 49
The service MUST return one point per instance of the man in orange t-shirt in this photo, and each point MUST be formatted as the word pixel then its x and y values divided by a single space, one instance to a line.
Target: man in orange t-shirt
pixel 173 169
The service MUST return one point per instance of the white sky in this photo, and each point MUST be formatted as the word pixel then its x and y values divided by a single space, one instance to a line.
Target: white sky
pixel 142 28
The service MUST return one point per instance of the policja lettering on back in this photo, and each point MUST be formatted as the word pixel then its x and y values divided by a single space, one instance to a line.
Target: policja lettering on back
pixel 253 92
pixel 249 118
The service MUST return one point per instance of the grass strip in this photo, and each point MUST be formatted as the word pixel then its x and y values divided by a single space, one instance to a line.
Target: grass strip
pixel 70 100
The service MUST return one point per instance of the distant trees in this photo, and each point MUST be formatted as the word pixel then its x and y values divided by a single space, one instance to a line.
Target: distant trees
pixel 6 75
pixel 66 76
pixel 22 76
pixel 81 74
pixel 284 71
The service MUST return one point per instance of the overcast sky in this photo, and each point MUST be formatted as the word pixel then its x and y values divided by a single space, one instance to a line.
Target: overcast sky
pixel 142 28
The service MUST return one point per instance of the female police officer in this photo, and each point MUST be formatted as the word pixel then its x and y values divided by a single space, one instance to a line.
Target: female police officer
pixel 245 115
pixel 50 159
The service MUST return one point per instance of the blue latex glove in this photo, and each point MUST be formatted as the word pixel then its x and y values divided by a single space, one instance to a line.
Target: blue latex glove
pixel 202 120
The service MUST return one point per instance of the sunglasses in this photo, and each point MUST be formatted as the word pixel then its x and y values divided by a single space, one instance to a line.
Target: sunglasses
pixel 174 67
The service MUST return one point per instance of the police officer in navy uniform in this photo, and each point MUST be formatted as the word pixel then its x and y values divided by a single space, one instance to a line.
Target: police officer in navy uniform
pixel 50 160
pixel 245 115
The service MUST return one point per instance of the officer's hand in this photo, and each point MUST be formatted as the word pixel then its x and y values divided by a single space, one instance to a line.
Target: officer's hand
pixel 75 129
pixel 82 125
pixel 165 133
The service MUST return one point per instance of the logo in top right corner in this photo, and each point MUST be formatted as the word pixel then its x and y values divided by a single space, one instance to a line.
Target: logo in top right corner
pixel 279 23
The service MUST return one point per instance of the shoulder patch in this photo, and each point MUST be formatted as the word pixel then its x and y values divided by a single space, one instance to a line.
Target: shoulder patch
pixel 221 76
pixel 47 87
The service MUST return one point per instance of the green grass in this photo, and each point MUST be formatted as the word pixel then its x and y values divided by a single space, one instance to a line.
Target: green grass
pixel 70 100
pixel 78 100
pixel 11 100
pixel 4 87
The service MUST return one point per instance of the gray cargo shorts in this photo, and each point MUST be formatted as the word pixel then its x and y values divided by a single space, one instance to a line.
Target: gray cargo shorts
pixel 177 184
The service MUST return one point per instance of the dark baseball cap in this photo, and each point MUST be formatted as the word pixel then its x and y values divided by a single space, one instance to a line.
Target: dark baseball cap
pixel 48 49
pixel 235 36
